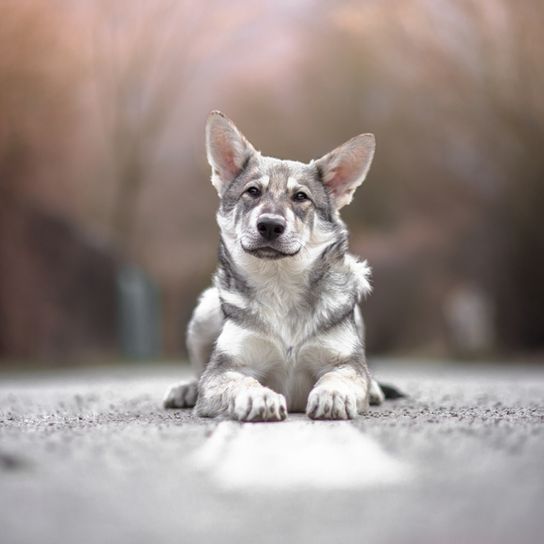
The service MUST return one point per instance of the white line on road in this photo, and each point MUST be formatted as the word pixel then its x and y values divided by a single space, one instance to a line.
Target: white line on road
pixel 296 454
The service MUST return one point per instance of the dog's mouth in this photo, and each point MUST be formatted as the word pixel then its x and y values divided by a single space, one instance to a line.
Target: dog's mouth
pixel 268 252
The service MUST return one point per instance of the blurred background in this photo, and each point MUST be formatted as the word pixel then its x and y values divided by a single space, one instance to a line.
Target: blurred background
pixel 107 227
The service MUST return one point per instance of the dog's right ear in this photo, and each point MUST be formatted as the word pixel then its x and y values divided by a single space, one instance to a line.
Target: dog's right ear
pixel 227 148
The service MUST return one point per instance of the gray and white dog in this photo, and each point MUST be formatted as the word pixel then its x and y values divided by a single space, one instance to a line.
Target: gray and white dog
pixel 281 328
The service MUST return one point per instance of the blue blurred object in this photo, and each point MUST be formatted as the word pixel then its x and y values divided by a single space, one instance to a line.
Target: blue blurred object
pixel 139 314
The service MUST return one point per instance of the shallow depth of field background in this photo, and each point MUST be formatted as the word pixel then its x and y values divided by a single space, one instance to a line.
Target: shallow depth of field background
pixel 107 227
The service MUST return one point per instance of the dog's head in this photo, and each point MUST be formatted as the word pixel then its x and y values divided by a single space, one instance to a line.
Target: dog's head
pixel 272 208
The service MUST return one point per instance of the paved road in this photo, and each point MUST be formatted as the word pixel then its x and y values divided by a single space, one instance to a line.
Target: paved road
pixel 90 457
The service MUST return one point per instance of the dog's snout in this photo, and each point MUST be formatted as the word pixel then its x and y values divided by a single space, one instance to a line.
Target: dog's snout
pixel 271 227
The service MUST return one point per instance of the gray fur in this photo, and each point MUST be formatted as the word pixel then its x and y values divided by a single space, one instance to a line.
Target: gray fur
pixel 281 327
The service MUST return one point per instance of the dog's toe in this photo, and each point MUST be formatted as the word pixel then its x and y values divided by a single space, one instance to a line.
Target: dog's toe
pixel 260 404
pixel 329 404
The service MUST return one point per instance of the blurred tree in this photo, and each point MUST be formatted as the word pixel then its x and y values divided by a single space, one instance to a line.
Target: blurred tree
pixel 452 91
pixel 98 99
pixel 44 258
pixel 138 83
pixel 145 59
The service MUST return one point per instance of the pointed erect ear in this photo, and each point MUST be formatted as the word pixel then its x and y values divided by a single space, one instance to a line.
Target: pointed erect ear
pixel 345 168
pixel 227 149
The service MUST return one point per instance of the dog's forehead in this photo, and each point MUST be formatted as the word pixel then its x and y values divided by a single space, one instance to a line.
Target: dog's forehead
pixel 278 178
pixel 280 173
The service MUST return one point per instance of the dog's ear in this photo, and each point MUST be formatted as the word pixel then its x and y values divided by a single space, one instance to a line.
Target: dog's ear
pixel 227 148
pixel 346 167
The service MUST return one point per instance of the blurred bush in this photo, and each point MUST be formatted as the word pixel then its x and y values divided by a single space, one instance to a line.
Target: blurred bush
pixel 102 163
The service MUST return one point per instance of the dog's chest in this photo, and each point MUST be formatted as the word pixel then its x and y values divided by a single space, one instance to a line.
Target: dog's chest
pixel 285 312
pixel 287 317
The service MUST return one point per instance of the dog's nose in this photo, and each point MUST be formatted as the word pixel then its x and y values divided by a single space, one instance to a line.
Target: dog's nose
pixel 271 228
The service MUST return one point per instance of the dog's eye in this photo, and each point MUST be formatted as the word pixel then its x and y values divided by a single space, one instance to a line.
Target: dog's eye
pixel 253 191
pixel 300 196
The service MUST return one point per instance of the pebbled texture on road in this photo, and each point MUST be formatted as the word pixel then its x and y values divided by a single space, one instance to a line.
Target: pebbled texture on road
pixel 92 457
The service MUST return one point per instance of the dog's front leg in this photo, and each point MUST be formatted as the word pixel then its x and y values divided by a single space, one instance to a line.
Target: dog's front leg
pixel 237 395
pixel 340 393
pixel 229 387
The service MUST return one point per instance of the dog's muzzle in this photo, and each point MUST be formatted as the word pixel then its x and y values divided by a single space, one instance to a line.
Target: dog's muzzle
pixel 271 226
pixel 268 242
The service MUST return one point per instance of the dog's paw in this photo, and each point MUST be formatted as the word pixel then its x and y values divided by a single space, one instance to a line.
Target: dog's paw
pixel 327 403
pixel 182 395
pixel 259 404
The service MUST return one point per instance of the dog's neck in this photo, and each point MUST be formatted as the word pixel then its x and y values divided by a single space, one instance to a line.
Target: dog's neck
pixel 286 277
pixel 291 298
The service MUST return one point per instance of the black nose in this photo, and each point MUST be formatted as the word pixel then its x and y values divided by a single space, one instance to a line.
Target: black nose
pixel 271 227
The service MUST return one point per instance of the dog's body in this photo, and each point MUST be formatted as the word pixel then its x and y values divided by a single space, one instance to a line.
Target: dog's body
pixel 281 328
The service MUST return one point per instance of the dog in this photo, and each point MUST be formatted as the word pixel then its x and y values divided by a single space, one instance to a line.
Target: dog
pixel 281 330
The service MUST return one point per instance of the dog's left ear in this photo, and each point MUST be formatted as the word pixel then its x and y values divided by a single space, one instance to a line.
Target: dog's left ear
pixel 227 148
pixel 346 167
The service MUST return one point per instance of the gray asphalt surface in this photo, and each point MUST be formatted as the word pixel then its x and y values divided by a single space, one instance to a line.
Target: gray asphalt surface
pixel 90 456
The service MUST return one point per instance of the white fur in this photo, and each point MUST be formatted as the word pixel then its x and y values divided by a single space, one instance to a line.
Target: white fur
pixel 264 182
pixel 340 393
pixel 252 352
pixel 203 329
pixel 292 184
pixel 234 298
